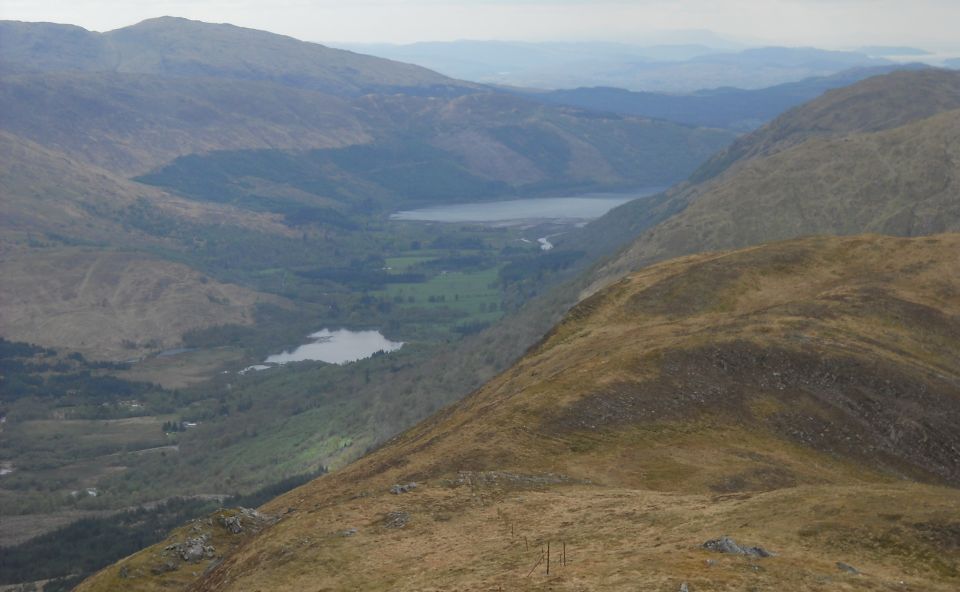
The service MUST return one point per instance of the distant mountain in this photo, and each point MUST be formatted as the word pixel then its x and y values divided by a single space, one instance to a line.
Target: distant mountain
pixel 132 123
pixel 179 47
pixel 884 51
pixel 953 63
pixel 800 398
pixel 498 61
pixel 671 68
pixel 258 138
pixel 730 108
pixel 879 156
pixel 479 146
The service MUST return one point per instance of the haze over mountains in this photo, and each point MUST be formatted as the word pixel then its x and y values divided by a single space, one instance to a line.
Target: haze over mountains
pixel 662 68
pixel 768 394
pixel 181 200
pixel 729 108
pixel 129 101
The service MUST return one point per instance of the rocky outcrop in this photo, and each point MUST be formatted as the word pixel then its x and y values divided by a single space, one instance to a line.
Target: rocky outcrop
pixel 726 544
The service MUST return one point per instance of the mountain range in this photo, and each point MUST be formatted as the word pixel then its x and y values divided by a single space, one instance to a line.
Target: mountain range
pixel 778 416
pixel 659 68
pixel 748 381
pixel 86 112
pixel 729 108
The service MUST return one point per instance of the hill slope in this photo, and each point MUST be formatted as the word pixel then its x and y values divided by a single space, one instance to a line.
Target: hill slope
pixel 180 47
pixel 131 123
pixel 218 107
pixel 801 395
pixel 108 298
pixel 879 156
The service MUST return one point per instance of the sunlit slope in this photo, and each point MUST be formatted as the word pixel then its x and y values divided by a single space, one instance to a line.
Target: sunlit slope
pixel 878 156
pixel 75 269
pixel 801 396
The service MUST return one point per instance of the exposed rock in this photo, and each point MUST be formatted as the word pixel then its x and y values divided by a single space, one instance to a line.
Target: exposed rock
pixel 684 587
pixel 398 489
pixel 396 519
pixel 513 480
pixel 348 532
pixel 233 524
pixel 726 544
pixel 847 568
pixel 194 549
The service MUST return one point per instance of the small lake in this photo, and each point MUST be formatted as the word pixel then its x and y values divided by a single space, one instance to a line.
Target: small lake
pixel 336 347
pixel 564 209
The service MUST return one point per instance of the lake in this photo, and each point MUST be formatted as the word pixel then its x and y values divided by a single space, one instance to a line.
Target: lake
pixel 336 347
pixel 556 209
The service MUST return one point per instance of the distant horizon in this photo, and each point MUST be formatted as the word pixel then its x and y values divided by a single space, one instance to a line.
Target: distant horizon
pixel 825 24
pixel 726 44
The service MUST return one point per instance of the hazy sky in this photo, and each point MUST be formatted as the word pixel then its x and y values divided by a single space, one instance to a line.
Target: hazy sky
pixel 826 23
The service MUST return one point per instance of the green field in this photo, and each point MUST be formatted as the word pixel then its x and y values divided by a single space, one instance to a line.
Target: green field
pixel 475 295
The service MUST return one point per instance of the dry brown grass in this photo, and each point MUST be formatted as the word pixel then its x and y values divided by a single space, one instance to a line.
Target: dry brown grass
pixel 111 304
pixel 799 396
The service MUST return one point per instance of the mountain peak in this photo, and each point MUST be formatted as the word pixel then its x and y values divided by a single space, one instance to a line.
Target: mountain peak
pixel 175 46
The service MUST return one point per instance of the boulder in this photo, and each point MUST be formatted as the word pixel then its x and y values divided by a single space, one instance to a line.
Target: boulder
pixel 726 544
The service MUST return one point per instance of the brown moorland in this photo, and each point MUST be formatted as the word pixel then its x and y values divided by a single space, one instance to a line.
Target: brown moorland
pixel 801 396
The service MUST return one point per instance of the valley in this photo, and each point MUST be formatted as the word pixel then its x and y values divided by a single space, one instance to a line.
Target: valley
pixel 540 339
pixel 805 405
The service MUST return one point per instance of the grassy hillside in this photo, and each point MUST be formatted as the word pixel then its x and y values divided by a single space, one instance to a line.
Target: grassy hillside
pixel 876 104
pixel 130 123
pixel 879 156
pixel 50 195
pixel 804 402
pixel 82 271
pixel 900 182
pixel 118 305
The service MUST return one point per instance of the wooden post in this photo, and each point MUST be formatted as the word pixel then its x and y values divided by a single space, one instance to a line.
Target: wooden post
pixel 564 553
pixel 548 558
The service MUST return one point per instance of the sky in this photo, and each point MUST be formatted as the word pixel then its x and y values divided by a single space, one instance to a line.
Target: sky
pixel 931 24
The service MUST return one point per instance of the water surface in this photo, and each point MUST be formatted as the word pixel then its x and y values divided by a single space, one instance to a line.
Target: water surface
pixel 569 209
pixel 337 347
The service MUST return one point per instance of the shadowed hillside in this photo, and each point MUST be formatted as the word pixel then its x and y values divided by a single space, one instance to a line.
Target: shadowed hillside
pixel 293 139
pixel 801 396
